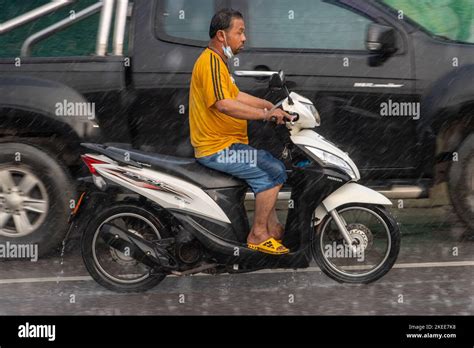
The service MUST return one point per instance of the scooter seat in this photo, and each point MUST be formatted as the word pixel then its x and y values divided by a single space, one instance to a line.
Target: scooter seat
pixel 185 168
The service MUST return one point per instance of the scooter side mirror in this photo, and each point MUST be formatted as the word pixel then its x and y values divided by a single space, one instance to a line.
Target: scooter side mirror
pixel 277 81
pixel 281 73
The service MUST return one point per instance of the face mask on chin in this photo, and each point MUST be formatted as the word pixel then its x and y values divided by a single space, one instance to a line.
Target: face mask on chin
pixel 227 50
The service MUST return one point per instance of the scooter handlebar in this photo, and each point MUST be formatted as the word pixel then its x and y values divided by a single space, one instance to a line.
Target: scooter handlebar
pixel 297 117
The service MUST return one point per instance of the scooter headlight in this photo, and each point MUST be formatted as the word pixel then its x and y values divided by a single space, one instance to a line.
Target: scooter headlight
pixel 314 112
pixel 327 157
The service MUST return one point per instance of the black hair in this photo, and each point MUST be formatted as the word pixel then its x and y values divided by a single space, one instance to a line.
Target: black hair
pixel 222 20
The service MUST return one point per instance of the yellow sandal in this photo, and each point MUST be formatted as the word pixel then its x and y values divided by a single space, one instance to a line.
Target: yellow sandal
pixel 270 246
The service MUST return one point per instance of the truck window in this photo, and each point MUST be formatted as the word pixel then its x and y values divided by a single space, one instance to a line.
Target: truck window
pixel 184 21
pixel 304 24
pixel 451 19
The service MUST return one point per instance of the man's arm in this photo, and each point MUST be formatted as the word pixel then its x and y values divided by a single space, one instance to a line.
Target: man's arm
pixel 254 101
pixel 237 109
pixel 245 106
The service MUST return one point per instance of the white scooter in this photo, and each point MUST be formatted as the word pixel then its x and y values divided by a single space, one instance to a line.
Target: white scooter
pixel 151 215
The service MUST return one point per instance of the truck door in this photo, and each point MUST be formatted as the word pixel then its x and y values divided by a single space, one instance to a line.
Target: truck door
pixel 321 47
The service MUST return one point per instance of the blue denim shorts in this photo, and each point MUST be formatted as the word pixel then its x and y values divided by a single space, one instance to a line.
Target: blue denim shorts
pixel 258 168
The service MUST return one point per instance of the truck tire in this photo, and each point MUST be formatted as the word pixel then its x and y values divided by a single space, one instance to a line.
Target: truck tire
pixel 461 182
pixel 35 190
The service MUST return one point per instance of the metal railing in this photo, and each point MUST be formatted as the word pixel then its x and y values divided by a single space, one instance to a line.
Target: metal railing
pixel 104 27
pixel 61 25
pixel 106 7
pixel 33 14
pixel 120 24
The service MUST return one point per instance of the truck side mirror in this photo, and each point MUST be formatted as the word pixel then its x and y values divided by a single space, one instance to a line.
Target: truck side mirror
pixel 381 39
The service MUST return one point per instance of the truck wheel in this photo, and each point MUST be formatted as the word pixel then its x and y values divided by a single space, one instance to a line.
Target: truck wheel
pixel 35 190
pixel 461 182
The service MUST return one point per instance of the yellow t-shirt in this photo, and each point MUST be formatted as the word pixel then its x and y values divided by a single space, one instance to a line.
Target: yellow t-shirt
pixel 211 130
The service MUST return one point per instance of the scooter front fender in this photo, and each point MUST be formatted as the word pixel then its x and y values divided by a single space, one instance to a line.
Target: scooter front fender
pixel 349 193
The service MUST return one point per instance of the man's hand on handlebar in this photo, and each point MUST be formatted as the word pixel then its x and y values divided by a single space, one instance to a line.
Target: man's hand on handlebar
pixel 278 115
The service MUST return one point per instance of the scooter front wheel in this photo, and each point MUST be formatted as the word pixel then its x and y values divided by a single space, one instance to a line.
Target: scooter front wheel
pixel 375 244
pixel 113 268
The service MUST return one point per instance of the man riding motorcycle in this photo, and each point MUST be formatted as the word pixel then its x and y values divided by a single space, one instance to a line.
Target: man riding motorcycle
pixel 218 118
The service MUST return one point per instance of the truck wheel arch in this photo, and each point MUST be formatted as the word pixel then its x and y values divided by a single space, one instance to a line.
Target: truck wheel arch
pixel 447 110
pixel 41 97
pixel 49 146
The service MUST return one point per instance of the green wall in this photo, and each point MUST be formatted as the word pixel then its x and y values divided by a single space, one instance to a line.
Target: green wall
pixel 451 18
pixel 78 39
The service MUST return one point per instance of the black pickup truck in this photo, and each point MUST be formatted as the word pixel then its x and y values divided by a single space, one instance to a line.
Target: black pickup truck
pixel 396 95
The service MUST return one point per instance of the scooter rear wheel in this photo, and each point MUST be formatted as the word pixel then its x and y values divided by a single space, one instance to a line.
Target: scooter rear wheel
pixel 115 269
pixel 377 238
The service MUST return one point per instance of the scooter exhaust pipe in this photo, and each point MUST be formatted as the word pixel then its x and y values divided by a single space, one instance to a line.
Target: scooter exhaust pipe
pixel 141 250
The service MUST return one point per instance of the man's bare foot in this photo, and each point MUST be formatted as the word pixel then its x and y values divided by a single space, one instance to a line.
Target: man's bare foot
pixel 276 231
pixel 257 236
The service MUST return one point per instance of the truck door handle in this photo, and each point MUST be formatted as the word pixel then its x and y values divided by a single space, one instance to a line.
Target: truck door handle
pixel 254 73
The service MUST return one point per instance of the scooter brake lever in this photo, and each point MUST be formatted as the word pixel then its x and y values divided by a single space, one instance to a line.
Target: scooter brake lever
pixel 297 116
